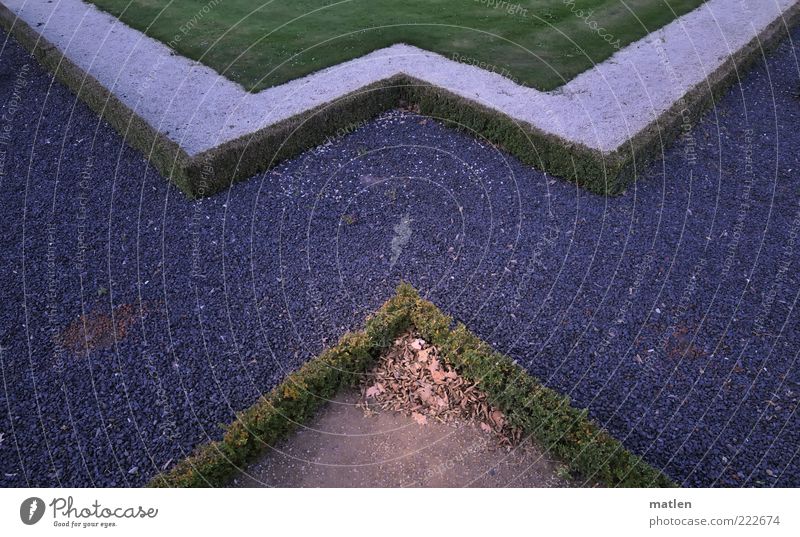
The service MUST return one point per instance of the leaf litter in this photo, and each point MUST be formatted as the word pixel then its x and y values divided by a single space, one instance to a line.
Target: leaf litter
pixel 413 379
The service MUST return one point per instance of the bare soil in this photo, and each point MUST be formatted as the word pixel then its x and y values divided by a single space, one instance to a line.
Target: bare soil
pixel 344 447
pixel 415 422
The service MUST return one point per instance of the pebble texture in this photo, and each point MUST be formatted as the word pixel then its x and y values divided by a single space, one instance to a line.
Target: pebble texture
pixel 134 321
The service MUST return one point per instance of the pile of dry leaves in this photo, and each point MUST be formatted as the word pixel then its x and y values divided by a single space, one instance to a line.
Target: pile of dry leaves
pixel 412 379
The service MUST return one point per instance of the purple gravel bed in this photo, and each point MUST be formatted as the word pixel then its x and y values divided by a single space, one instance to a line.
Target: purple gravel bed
pixel 670 312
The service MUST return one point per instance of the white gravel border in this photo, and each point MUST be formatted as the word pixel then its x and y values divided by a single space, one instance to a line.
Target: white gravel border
pixel 601 109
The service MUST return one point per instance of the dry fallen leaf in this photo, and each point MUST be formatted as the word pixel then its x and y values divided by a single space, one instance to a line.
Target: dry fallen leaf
pixel 498 418
pixel 375 390
pixel 419 418
pixel 422 355
pixel 425 393
pixel 438 376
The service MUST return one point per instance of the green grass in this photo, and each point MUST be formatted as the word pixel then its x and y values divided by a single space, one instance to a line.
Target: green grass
pixel 258 43
pixel 587 450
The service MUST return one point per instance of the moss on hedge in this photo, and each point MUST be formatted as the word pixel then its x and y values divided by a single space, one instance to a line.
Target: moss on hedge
pixel 292 402
pixel 214 170
pixel 546 415
pixel 244 157
pixel 575 163
pixel 560 428
pixel 163 153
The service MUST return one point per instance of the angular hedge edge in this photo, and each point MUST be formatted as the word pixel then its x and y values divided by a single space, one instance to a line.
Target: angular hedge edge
pixel 163 153
pixel 216 169
pixel 560 428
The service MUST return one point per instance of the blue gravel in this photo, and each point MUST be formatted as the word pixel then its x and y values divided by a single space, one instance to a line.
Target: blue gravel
pixel 669 312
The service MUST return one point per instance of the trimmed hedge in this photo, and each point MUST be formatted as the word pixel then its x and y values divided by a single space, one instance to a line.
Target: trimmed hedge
pixel 162 152
pixel 216 169
pixel 253 153
pixel 561 429
pixel 546 415
pixel 591 169
pixel 292 402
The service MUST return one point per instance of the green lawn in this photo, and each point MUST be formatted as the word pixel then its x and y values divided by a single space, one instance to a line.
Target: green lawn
pixel 262 43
